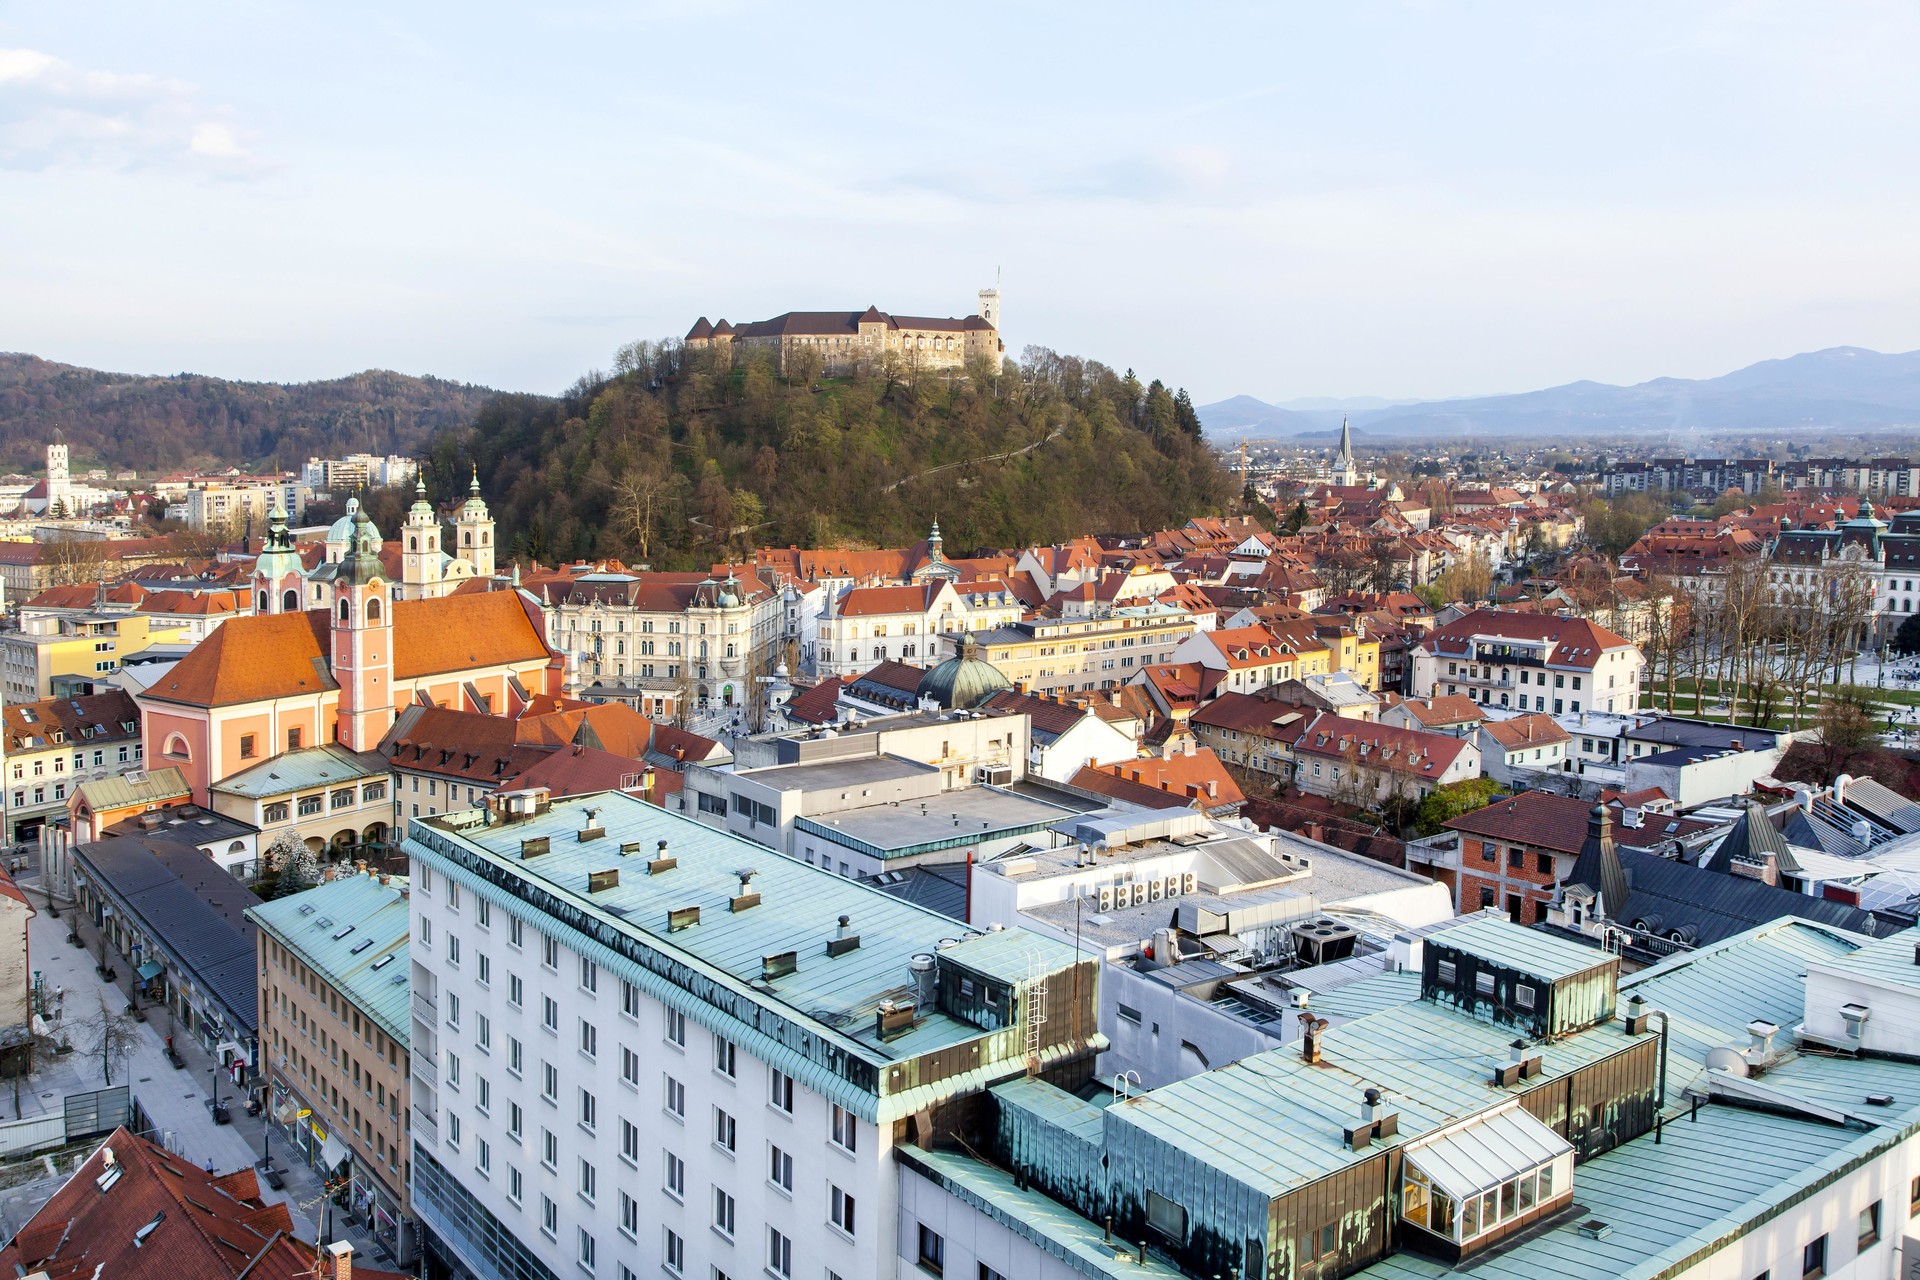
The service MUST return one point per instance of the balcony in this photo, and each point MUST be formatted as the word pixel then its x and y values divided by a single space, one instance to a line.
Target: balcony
pixel 425 1128
pixel 426 1071
pixel 425 1008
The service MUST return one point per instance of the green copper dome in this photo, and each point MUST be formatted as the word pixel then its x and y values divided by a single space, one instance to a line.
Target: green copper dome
pixel 964 682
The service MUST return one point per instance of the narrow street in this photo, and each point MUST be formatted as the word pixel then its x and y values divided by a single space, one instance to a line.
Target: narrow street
pixel 176 1100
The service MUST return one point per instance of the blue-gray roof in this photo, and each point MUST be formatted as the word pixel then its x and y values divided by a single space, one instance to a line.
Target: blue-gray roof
pixel 344 929
pixel 196 912
pixel 327 765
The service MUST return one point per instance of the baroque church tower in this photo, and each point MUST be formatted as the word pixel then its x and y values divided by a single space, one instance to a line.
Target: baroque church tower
pixel 473 527
pixel 362 635
pixel 279 578
pixel 420 557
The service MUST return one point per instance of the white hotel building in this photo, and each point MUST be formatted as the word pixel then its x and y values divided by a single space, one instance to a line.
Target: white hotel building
pixel 645 1047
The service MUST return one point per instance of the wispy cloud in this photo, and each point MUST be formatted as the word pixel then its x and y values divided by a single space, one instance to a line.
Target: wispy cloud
pixel 55 115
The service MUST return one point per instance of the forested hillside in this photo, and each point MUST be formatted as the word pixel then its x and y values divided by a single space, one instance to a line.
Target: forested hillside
pixel 675 461
pixel 155 424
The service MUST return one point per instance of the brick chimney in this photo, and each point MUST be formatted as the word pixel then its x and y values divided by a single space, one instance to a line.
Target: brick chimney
pixel 338 1262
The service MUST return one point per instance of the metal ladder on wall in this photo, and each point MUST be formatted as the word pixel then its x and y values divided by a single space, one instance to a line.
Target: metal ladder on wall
pixel 1033 1009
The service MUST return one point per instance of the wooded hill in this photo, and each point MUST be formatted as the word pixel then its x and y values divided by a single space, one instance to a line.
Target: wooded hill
pixel 160 424
pixel 676 461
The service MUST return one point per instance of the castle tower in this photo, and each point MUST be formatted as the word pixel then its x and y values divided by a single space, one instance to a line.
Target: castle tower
pixel 279 579
pixel 474 528
pixel 361 609
pixel 59 479
pixel 420 559
pixel 990 305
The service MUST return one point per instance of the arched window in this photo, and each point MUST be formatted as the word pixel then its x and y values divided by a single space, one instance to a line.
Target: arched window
pixel 290 601
pixel 177 748
pixel 413 543
pixel 346 611
pixel 262 607
pixel 373 611
pixel 467 538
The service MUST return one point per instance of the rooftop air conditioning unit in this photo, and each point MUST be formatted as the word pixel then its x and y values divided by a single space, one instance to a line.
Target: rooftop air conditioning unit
pixel 1106 897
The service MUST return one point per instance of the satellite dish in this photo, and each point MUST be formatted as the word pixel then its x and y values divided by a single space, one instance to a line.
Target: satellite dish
pixel 1731 1061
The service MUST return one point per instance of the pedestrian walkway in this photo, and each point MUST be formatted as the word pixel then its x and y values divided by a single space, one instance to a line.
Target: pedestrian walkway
pixel 176 1100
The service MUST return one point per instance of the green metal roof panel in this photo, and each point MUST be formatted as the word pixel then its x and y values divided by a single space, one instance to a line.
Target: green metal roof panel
pixel 1888 959
pixel 1711 994
pixel 1734 1164
pixel 1529 951
pixel 1050 1104
pixel 835 997
pixel 1367 996
pixel 1058 1230
pixel 155 786
pixel 327 765
pixel 1272 1121
pixel 342 929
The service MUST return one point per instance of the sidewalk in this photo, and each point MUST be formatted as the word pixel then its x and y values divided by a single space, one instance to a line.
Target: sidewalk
pixel 177 1100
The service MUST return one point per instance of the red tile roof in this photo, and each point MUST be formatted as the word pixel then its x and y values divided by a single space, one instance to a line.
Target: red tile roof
pixel 1537 730
pixel 1445 710
pixel 818 705
pixel 1198 777
pixel 252 659
pixel 1413 752
pixel 1559 823
pixel 161 1218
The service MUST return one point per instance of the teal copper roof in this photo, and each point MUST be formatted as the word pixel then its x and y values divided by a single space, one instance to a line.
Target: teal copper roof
pixel 1888 959
pixel 1052 1227
pixel 1734 1165
pixel 833 998
pixel 1711 994
pixel 1529 951
pixel 1273 1122
pixel 155 786
pixel 353 933
pixel 327 765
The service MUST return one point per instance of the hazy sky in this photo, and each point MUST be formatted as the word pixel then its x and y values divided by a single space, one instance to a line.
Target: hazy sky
pixel 1284 199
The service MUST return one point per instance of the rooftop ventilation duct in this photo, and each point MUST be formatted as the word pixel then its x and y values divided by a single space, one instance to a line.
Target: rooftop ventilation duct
pixel 844 938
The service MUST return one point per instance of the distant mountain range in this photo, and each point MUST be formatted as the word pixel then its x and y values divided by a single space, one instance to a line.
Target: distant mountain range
pixel 1841 388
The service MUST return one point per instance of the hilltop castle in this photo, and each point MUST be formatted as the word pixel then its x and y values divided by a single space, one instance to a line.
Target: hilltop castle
pixel 846 340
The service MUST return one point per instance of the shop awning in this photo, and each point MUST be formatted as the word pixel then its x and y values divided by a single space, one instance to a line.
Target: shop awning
pixel 151 970
pixel 332 1152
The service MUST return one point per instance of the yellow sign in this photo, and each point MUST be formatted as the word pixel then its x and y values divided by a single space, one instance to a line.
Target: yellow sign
pixel 302 1114
pixel 319 1134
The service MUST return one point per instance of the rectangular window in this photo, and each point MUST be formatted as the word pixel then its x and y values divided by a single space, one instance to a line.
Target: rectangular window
pixel 629 1066
pixel 840 1210
pixel 589 1110
pixel 589 1039
pixel 549 1218
pixel 723 1056
pixel 780 1091
pixel 483 969
pixel 676 1177
pixel 550 953
pixel 779 1168
pixel 515 1056
pixel 676 1028
pixel 779 1254
pixel 516 990
pixel 846 1129
pixel 549 1082
pixel 933 1251
pixel 725 1131
pixel 629 1142
pixel 723 1213
pixel 589 975
pixel 1166 1217
pixel 589 1180
pixel 514 931
pixel 629 999
pixel 516 1118
pixel 550 1151
pixel 516 1185
pixel 1813 1259
pixel 675 1259
pixel 629 1216
pixel 676 1098
pixel 1870 1226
